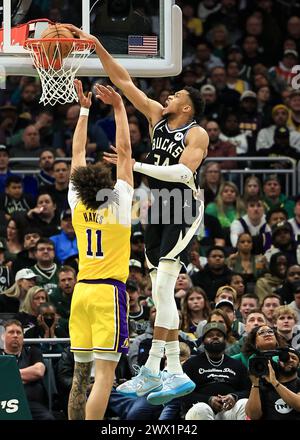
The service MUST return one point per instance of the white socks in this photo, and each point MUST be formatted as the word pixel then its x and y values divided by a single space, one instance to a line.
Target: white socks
pixel 155 355
pixel 173 359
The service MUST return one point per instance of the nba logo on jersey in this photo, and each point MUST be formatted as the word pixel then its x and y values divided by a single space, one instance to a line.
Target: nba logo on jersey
pixel 178 136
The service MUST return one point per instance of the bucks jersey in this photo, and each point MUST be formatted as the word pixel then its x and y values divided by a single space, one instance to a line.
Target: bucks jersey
pixel 166 149
pixel 103 236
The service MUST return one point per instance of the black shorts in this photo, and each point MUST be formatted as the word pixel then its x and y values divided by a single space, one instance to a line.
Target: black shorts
pixel 170 241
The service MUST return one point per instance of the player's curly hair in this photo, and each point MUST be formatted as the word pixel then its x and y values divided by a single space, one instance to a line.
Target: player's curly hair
pixel 87 181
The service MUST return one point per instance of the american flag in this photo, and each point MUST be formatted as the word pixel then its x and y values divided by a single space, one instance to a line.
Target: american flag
pixel 142 45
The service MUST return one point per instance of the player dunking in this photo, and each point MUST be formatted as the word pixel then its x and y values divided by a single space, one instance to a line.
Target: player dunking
pixel 179 145
pixel 98 321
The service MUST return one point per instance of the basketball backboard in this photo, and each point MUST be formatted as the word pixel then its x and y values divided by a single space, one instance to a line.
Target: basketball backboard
pixel 144 35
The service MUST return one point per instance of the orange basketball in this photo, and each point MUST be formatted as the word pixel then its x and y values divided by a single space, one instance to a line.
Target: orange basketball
pixel 57 49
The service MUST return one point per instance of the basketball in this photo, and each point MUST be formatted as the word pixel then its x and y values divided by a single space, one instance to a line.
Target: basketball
pixel 56 50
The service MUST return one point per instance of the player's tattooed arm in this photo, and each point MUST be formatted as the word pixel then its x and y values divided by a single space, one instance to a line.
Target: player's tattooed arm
pixel 77 398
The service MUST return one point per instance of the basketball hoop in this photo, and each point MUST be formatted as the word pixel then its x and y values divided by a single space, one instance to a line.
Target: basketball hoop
pixel 57 72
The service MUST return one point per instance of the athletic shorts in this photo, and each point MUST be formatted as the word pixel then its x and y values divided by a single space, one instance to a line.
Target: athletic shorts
pixel 99 317
pixel 170 241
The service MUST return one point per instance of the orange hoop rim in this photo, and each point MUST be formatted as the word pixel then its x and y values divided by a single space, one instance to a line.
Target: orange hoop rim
pixel 79 44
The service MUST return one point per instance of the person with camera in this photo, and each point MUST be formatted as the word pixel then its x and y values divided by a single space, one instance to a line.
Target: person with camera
pixel 275 395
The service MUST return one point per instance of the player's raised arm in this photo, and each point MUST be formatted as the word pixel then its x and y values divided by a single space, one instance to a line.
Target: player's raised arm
pixel 121 79
pixel 124 163
pixel 80 134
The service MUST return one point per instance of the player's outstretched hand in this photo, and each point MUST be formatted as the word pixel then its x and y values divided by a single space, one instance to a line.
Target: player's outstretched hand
pixel 85 101
pixel 108 95
pixel 113 157
pixel 78 32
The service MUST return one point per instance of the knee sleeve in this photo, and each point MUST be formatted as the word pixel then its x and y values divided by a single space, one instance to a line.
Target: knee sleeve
pixel 166 309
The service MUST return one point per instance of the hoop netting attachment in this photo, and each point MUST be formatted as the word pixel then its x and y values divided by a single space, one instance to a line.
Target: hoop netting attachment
pixel 57 73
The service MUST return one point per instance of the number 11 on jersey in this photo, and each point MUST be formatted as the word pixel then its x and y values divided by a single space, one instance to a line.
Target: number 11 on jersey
pixel 90 253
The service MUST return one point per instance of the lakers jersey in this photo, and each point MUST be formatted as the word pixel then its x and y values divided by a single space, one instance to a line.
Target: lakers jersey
pixel 166 149
pixel 103 236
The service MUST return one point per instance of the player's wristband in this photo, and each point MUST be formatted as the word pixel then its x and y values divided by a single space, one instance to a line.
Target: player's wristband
pixel 84 111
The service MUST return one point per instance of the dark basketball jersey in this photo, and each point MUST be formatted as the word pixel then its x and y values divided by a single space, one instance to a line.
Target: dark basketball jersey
pixel 166 149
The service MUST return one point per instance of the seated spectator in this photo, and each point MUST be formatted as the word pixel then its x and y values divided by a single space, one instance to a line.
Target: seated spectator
pixel 211 179
pixel 137 246
pixel 29 310
pixel 195 308
pixel 24 280
pixel 238 283
pixel 250 119
pixel 273 196
pixel 250 266
pixel 265 137
pixel 295 221
pixel 295 305
pixel 270 302
pixel 255 318
pixel 287 291
pixel 213 110
pixel 252 188
pixel 138 314
pixel 253 222
pixel 281 147
pixel 273 216
pixel 44 216
pixel 227 306
pixel 4 167
pixel 274 278
pixel 294 114
pixel 231 133
pixel 249 302
pixel 285 319
pixel 138 145
pixel 5 273
pixel 227 207
pixel 218 147
pixel 136 271
pixel 226 96
pixel 281 75
pixel 26 258
pixel 182 285
pixel 45 268
pixel 65 243
pixel 13 242
pixel 32 369
pixel 45 176
pixel 234 80
pixel 29 147
pixel 59 191
pixel 216 315
pixel 283 241
pixel 282 386
pixel 215 399
pixel 14 200
pixel 62 297
pixel 214 274
pixel 226 292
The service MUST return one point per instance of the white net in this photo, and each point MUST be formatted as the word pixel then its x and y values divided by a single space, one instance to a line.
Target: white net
pixel 57 72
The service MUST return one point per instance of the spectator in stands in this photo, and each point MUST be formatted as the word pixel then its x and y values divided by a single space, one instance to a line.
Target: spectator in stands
pixel 137 246
pixel 139 147
pixel 59 191
pixel 295 221
pixel 44 124
pixel 218 36
pixel 28 102
pixel 4 168
pixel 191 20
pixel 65 243
pixel 231 132
pixel 211 179
pixel 252 188
pixel 238 283
pixel 218 147
pixel 274 278
pixel 30 147
pixel 273 196
pixel 228 15
pixel 62 139
pixel 26 258
pixel 203 54
pixel 265 137
pixel 227 207
pixel 287 291
pixel 10 122
pixel 24 279
pixel 249 302
pixel 234 80
pixel 5 273
pixel 182 285
pixel 227 306
pixel 295 304
pixel 138 313
pixel 285 318
pixel 255 318
pixel 45 267
pixel 215 273
pixel 195 308
pixel 62 297
pixel 226 96
pixel 14 200
pixel 216 315
pixel 13 241
pixel 273 216
pixel 226 292
pixel 282 386
pixel 283 241
pixel 221 396
pixel 44 215
pixel 280 147
pixel 253 222
pixel 281 75
pixel 32 369
pixel 29 310
pixel 213 110
pixel 294 105
pixel 45 176
pixel 269 303
pixel 264 105
pixel 250 119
